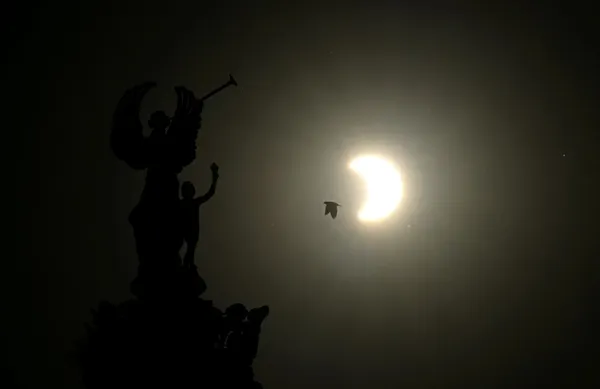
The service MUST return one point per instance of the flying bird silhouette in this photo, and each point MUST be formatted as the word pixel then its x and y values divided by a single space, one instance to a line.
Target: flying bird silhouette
pixel 331 208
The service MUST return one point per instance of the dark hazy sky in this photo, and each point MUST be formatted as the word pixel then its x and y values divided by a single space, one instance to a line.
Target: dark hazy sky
pixel 495 283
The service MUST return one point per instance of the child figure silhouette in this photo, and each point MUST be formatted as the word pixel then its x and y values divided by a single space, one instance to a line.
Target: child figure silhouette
pixel 190 220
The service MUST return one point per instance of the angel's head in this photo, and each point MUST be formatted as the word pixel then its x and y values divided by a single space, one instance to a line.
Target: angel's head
pixel 159 120
pixel 188 190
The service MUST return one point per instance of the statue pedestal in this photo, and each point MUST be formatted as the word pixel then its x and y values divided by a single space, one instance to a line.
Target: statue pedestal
pixel 169 340
pixel 179 283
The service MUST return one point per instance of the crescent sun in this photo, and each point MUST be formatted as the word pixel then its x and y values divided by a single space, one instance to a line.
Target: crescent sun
pixel 384 187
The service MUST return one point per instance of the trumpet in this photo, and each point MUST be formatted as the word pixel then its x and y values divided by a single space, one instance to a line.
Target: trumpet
pixel 219 89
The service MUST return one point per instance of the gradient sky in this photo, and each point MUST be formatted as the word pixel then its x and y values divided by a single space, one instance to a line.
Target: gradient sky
pixel 490 112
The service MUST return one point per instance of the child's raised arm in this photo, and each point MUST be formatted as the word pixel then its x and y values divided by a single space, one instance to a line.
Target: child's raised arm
pixel 211 192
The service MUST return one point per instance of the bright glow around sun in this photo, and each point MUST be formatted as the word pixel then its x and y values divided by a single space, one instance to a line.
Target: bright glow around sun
pixel 384 187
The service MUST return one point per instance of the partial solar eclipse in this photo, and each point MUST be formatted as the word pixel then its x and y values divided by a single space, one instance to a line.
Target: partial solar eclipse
pixel 384 187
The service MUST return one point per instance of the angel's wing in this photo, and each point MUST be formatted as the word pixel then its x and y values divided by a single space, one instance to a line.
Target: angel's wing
pixel 127 135
pixel 184 127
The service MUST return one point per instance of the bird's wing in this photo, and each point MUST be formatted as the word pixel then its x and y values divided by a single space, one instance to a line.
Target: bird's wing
pixel 127 133
pixel 334 212
pixel 327 210
pixel 184 127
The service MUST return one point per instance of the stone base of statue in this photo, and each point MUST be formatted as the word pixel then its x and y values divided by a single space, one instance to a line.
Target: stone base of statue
pixel 183 282
pixel 173 340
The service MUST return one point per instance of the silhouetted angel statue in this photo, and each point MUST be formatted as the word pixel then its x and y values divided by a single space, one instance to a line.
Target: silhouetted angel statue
pixel 190 223
pixel 331 208
pixel 170 147
pixel 240 339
